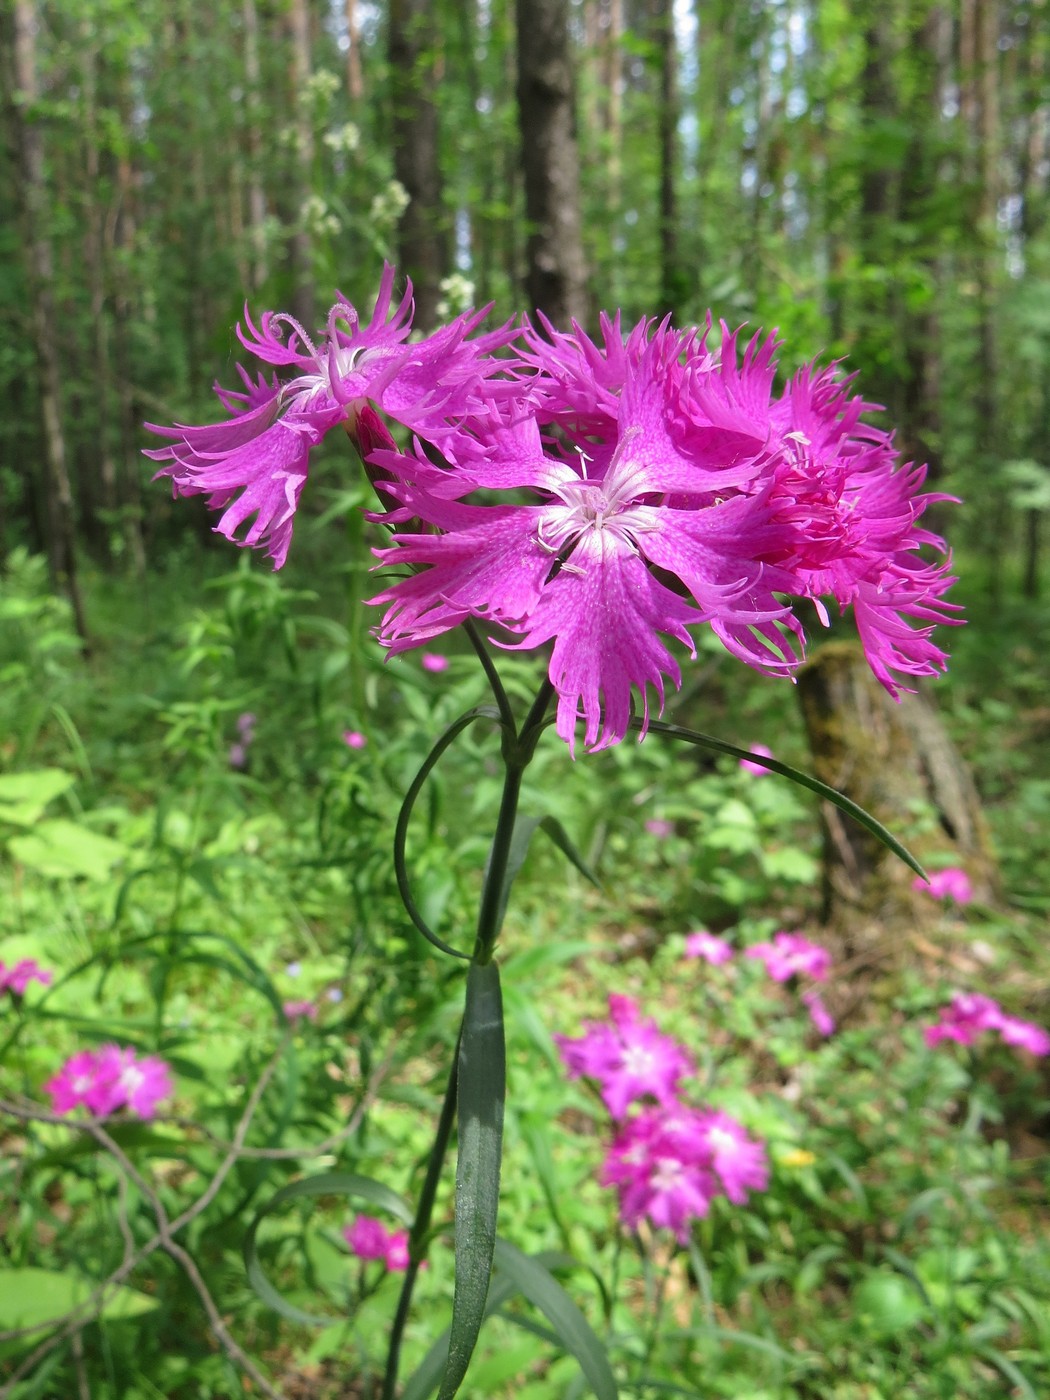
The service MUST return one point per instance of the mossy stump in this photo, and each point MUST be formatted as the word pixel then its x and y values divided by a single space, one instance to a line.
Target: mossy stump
pixel 897 761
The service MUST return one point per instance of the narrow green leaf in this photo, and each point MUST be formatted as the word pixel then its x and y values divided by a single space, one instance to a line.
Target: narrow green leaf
pixel 366 1188
pixel 482 1091
pixel 521 837
pixel 574 1331
pixel 1017 1378
pixel 838 799
pixel 553 828
pixel 425 1378
pixel 404 817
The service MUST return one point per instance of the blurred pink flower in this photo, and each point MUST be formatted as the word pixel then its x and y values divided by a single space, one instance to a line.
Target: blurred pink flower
pixel 951 883
pixel 1026 1035
pixel 300 1010
pixel 759 769
pixel 629 1058
pixel 661 1168
pixel 246 726
pixel 16 979
pixel 397 1251
pixel 433 662
pixel 792 955
pixel 969 1014
pixel 708 946
pixel 818 1013
pixel 108 1079
pixel 369 1238
pixel 139 1085
pixel 354 739
pixel 964 1018
pixel 77 1083
pixel 659 827
pixel 739 1161
pixel 238 756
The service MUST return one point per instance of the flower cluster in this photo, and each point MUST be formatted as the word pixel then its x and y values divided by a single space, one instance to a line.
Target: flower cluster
pixel 667 1160
pixel 969 1014
pixel 787 957
pixel 369 1238
pixel 16 978
pixel 792 955
pixel 109 1078
pixel 603 495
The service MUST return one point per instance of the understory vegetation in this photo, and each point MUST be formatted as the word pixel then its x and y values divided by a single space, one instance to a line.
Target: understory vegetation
pixel 220 894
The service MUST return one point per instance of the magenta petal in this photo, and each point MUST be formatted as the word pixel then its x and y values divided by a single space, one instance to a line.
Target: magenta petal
pixel 603 611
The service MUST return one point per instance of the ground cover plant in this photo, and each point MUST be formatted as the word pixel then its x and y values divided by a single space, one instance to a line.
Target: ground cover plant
pixel 246 1017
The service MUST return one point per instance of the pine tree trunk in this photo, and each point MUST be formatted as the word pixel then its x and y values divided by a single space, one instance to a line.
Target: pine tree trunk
pixel 556 278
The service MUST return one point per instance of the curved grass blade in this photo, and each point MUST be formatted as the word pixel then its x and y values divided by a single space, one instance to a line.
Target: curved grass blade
pixel 482 1092
pixel 405 816
pixel 325 1184
pixel 574 1332
pixel 830 794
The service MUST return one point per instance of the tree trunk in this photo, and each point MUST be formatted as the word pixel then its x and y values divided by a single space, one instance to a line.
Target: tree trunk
pixel 256 193
pixel 355 81
pixel 898 763
pixel 94 263
pixel 421 233
pixel 19 68
pixel 556 278
pixel 301 248
pixel 674 286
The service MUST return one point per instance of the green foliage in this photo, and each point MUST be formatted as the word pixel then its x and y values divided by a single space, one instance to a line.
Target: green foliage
pixel 181 902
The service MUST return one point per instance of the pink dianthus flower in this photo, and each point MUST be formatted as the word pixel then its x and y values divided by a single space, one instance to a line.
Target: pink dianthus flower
pixel 17 977
pixel 969 1014
pixel 108 1079
pixel 255 464
pixel 662 1169
pixel 708 946
pixel 739 1161
pixel 950 883
pixel 792 955
pixel 759 769
pixel 369 1238
pixel 629 1058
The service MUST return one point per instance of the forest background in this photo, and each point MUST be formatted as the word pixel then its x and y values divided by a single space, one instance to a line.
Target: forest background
pixel 870 176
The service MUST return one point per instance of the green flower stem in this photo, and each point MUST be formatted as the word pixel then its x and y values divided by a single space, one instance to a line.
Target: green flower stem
pixel 518 750
pixel 477 641
pixel 490 912
pixel 417 1238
